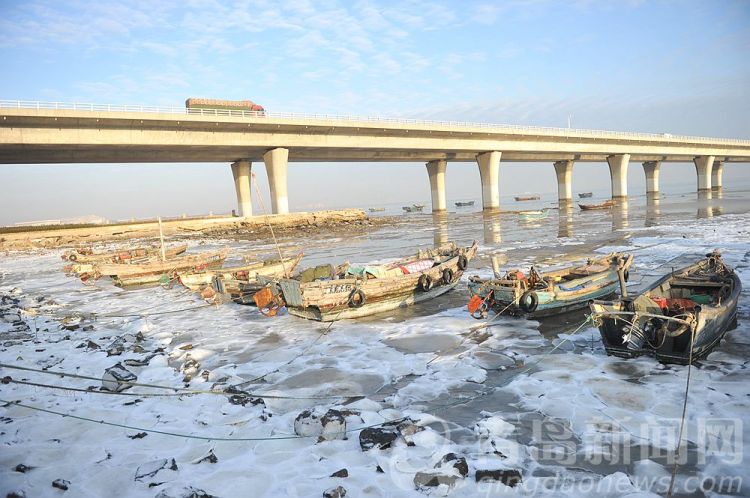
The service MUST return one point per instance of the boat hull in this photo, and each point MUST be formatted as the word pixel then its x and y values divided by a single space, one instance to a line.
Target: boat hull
pixel 711 323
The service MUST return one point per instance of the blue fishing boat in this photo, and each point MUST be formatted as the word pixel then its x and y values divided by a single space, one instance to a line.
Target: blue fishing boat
pixel 550 293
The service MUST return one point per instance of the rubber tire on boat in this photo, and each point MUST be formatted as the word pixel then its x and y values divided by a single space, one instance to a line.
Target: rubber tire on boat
pixel 357 298
pixel 626 274
pixel 72 257
pixel 447 276
pixel 462 262
pixel 533 301
pixel 425 282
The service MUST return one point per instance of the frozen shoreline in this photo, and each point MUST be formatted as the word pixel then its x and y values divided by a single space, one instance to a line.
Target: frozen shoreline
pixel 519 390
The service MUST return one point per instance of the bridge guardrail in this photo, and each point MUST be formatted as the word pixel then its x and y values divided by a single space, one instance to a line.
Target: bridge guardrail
pixel 78 106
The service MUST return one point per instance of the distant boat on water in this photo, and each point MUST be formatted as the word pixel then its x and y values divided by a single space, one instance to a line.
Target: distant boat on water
pixel 414 208
pixel 376 210
pixel 585 195
pixel 531 197
pixel 464 204
pixel 591 207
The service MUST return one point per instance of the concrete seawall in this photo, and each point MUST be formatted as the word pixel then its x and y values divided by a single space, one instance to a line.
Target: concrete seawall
pixel 50 237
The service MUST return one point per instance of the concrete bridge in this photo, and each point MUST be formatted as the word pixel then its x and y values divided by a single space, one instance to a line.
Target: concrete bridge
pixel 44 132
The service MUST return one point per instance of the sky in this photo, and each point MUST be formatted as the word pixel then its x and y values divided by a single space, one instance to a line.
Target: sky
pixel 679 67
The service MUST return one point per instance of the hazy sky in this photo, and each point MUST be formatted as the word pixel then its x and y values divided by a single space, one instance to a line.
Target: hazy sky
pixel 664 66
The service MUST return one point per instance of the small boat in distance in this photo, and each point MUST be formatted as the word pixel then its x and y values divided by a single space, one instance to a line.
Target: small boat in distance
pixel 548 293
pixel 592 207
pixel 680 318
pixel 376 210
pixel 531 197
pixel 464 204
pixel 414 208
pixel 327 293
pixel 585 195
pixel 534 215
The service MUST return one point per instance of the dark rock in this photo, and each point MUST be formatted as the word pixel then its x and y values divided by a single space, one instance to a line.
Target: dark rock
pixel 16 494
pixel 116 347
pixel 244 399
pixel 455 461
pixel 88 328
pixel 138 349
pixel 140 435
pixel 61 484
pixel 337 492
pixel 150 469
pixel 509 477
pixel 22 468
pixel 433 480
pixel 341 473
pixel 210 458
pixel 328 426
pixel 186 492
pixel 377 437
pixel 118 378
pixel 379 470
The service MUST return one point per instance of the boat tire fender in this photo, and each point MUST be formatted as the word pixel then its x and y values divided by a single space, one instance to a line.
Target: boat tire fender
pixel 463 262
pixel 626 274
pixel 72 257
pixel 425 282
pixel 447 276
pixel 529 301
pixel 357 298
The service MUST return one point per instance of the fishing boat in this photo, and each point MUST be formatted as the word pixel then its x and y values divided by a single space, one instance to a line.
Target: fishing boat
pixel 535 215
pixel 592 207
pixel 377 210
pixel 122 257
pixel 126 255
pixel 157 271
pixel 531 197
pixel 231 276
pixel 680 318
pixel 585 195
pixel 550 293
pixel 326 293
pixel 415 208
pixel 464 204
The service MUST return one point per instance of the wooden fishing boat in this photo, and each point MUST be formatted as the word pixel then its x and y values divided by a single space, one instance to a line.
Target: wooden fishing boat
pixel 532 197
pixel 376 210
pixel 539 214
pixel 464 204
pixel 415 208
pixel 680 317
pixel 156 271
pixel 128 257
pixel 125 255
pixel 592 207
pixel 585 195
pixel 326 293
pixel 232 276
pixel 549 293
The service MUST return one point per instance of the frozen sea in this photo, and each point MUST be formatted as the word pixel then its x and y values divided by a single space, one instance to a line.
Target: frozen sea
pixel 542 399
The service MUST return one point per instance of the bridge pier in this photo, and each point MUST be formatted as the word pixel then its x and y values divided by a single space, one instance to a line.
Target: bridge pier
pixel 241 173
pixel 618 171
pixel 276 168
pixel 703 166
pixel 651 169
pixel 716 173
pixel 564 172
pixel 489 172
pixel 436 171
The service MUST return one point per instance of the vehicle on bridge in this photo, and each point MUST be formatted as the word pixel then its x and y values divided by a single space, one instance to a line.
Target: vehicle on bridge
pixel 198 106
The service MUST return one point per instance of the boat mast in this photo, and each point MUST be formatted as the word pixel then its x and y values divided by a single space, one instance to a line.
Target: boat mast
pixel 161 238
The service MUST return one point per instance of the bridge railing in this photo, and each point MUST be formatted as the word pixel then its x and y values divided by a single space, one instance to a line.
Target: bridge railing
pixel 544 130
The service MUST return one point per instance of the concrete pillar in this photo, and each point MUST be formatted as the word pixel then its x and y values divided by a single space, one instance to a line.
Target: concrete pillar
pixel 489 172
pixel 703 166
pixel 241 172
pixel 564 172
pixel 716 173
pixel 436 170
pixel 276 168
pixel 651 168
pixel 618 170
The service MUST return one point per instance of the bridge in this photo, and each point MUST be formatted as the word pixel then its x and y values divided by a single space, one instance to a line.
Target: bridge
pixel 53 132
